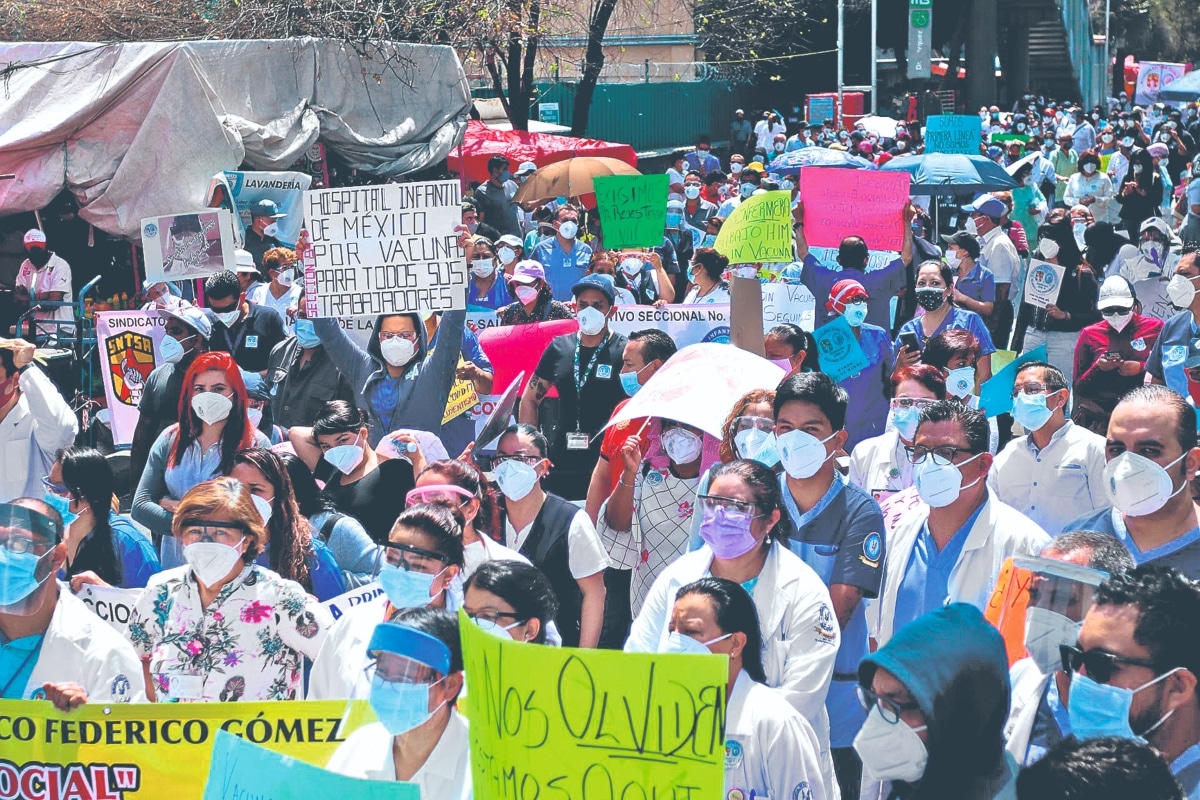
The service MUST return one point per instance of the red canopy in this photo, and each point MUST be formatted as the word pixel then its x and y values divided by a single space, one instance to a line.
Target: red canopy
pixel 481 143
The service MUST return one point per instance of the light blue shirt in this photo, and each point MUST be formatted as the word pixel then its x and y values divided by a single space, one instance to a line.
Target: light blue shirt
pixel 925 586
pixel 563 270
pixel 18 657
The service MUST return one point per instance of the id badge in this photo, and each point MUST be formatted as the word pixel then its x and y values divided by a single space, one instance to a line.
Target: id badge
pixel 185 687
pixel 577 441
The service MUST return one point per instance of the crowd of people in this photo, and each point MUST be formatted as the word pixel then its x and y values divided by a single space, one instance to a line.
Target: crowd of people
pixel 838 541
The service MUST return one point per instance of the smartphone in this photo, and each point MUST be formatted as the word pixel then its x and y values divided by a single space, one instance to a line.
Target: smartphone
pixel 909 340
pixel 1112 354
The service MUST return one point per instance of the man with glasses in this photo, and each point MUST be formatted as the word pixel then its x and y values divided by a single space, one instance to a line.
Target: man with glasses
pixel 51 646
pixel 838 531
pixel 415 671
pixel 1134 670
pixel 1055 472
pixel 949 550
pixel 247 332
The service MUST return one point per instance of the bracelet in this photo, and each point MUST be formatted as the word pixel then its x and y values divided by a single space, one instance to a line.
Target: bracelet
pixel 621 480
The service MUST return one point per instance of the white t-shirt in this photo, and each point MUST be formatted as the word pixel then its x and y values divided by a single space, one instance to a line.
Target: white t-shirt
pixel 585 552
pixel 765 133
pixel 260 295
pixel 54 277
pixel 718 295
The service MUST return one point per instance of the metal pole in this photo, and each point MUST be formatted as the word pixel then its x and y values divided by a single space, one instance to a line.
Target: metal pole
pixel 1108 70
pixel 841 32
pixel 874 57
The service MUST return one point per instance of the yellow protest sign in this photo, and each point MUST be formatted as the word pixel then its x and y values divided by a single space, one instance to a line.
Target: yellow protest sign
pixel 596 724
pixel 759 231
pixel 125 752
pixel 462 397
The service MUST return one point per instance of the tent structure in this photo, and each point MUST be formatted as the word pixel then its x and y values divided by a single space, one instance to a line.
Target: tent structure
pixel 482 142
pixel 1182 90
pixel 137 130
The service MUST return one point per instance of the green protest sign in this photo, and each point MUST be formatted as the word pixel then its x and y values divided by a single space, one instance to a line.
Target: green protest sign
pixel 633 209
pixel 759 231
pixel 548 721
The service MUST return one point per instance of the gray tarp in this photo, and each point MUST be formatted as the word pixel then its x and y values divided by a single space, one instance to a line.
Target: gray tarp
pixel 137 130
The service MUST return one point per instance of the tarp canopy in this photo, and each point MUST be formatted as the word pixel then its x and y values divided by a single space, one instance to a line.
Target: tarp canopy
pixel 481 143
pixel 137 130
pixel 1182 90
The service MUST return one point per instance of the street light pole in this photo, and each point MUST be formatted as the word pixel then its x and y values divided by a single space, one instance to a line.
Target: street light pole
pixel 841 32
pixel 874 57
pixel 1108 70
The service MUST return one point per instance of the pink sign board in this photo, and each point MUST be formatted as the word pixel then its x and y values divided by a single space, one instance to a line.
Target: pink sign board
pixel 841 202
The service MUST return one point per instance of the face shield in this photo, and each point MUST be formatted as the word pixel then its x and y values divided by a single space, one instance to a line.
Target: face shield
pixel 404 665
pixel 1050 601
pixel 27 541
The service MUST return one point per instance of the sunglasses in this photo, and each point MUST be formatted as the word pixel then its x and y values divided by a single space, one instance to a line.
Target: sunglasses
pixel 1101 665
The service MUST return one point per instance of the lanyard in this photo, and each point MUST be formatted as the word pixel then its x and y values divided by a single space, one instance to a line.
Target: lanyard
pixel 580 380
pixel 37 648
pixel 241 336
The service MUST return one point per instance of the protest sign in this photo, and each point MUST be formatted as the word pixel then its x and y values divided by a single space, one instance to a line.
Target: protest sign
pixel 493 416
pixel 840 353
pixel 759 231
pixel 746 315
pixel 621 725
pixel 243 189
pixel 1152 294
pixel 995 395
pixel 110 604
pixel 128 342
pixel 633 209
pixel 148 750
pixel 189 245
pixel 842 202
pixel 1043 283
pixel 386 249
pixel 240 770
pixel 953 133
pixel 461 398
pixel 367 594
pixel 1153 77
pixel 1007 605
pixel 788 303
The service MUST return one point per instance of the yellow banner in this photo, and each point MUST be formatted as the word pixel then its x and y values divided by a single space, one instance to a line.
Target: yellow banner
pixel 118 752
pixel 462 397
pixel 592 723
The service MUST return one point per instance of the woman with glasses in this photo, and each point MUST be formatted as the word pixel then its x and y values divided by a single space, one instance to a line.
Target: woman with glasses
pixel 213 425
pixel 740 524
pixel 512 598
pixel 289 548
pixel 557 536
pixel 356 554
pixel 771 749
pixel 423 557
pixel 103 547
pixel 879 465
pixel 223 628
pixel 937 696
pixel 415 673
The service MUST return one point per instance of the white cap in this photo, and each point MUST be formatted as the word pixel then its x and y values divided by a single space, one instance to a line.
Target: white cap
pixel 1114 293
pixel 191 316
pixel 35 236
pixel 245 261
pixel 526 166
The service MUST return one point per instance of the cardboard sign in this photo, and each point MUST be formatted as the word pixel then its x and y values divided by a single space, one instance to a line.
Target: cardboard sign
pixel 953 133
pixel 788 302
pixel 842 202
pixel 840 353
pixel 746 315
pixel 462 397
pixel 633 209
pixel 1043 283
pixel 759 231
pixel 188 245
pixel 386 249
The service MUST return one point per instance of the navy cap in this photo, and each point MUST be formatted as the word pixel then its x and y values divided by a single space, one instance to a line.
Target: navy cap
pixel 601 283
pixel 265 208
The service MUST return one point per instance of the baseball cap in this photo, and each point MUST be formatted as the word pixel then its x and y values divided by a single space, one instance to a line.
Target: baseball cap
pixel 244 261
pixel 987 204
pixel 1156 223
pixel 601 283
pixel 265 208
pixel 35 238
pixel 526 166
pixel 528 271
pixel 964 241
pixel 191 316
pixel 510 240
pixel 1115 292
pixel 1158 150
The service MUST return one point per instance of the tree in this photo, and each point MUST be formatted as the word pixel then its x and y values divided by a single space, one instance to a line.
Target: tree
pixel 593 62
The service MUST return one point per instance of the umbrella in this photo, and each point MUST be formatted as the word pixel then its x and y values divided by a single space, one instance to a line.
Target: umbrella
pixel 792 162
pixel 1015 167
pixel 951 173
pixel 1181 90
pixel 883 127
pixel 570 178
pixel 699 384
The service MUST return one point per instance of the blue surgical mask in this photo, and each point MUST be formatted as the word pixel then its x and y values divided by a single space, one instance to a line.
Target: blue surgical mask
pixel 1030 411
pixel 629 382
pixel 905 420
pixel 62 505
pixel 306 334
pixel 673 219
pixel 856 314
pixel 18 576
pixel 406 588
pixel 756 445
pixel 710 240
pixel 1097 709
pixel 400 707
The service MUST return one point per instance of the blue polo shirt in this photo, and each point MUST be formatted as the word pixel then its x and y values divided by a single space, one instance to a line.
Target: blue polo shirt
pixel 1170 351
pixel 563 270
pixel 1182 553
pixel 925 586
pixel 842 539
pixel 959 318
pixel 979 284
pixel 18 657
pixel 496 297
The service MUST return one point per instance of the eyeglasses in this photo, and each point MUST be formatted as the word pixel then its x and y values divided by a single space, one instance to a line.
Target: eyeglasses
pixel 226 533
pixel 490 615
pixel 396 559
pixel 910 402
pixel 407 336
pixel 500 458
pixel 1031 387
pixel 890 710
pixel 1100 664
pixel 412 673
pixel 727 503
pixel 22 544
pixel 61 491
pixel 941 455
pixel 764 424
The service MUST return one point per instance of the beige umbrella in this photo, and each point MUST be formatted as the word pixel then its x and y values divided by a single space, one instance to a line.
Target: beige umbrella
pixel 569 178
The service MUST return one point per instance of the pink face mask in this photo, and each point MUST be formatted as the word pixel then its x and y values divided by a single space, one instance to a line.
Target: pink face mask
pixel 526 294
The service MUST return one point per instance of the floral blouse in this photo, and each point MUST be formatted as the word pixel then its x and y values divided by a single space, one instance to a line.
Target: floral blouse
pixel 248 644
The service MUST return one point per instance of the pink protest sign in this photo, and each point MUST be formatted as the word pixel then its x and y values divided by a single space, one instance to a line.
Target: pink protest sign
pixel 841 202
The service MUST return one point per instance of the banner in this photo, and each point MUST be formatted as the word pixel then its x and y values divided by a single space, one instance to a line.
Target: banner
pixel 632 209
pixel 363 595
pixel 547 721
pixel 952 133
pixel 110 604
pixel 840 353
pixel 920 39
pixel 190 245
pixel 1153 77
pixel 128 343
pixel 240 770
pixel 787 302
pixel 518 348
pixel 759 231
pixel 285 189
pixel 385 249
pixel 843 202
pixel 1043 283
pixel 153 751
pixel 684 324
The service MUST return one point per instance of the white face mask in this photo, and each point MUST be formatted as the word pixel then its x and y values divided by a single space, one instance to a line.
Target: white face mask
pixel 735 168
pixel 890 752
pixel 802 454
pixel 211 407
pixel 1048 248
pixel 591 321
pixel 526 294
pixel 568 229
pixel 1181 290
pixel 287 278
pixel 170 349
pixel 264 507
pixel 516 479
pixel 482 267
pixel 345 457
pixel 683 644
pixel 506 254
pixel 397 351
pixel 1045 630
pixel 1089 168
pixel 1137 486
pixel 211 561
pixel 691 191
pixel 254 415
pixel 682 446
pixel 972 226
pixel 271 230
pixel 229 317
pixel 960 382
pixel 939 485
pixel 953 258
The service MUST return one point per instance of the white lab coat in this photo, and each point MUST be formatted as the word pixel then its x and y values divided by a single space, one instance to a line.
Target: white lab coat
pixel 800 633
pixel 38 426
pixel 1000 531
pixel 771 749
pixel 81 648
pixel 445 775
pixel 879 466
pixel 1028 686
pixel 337 671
